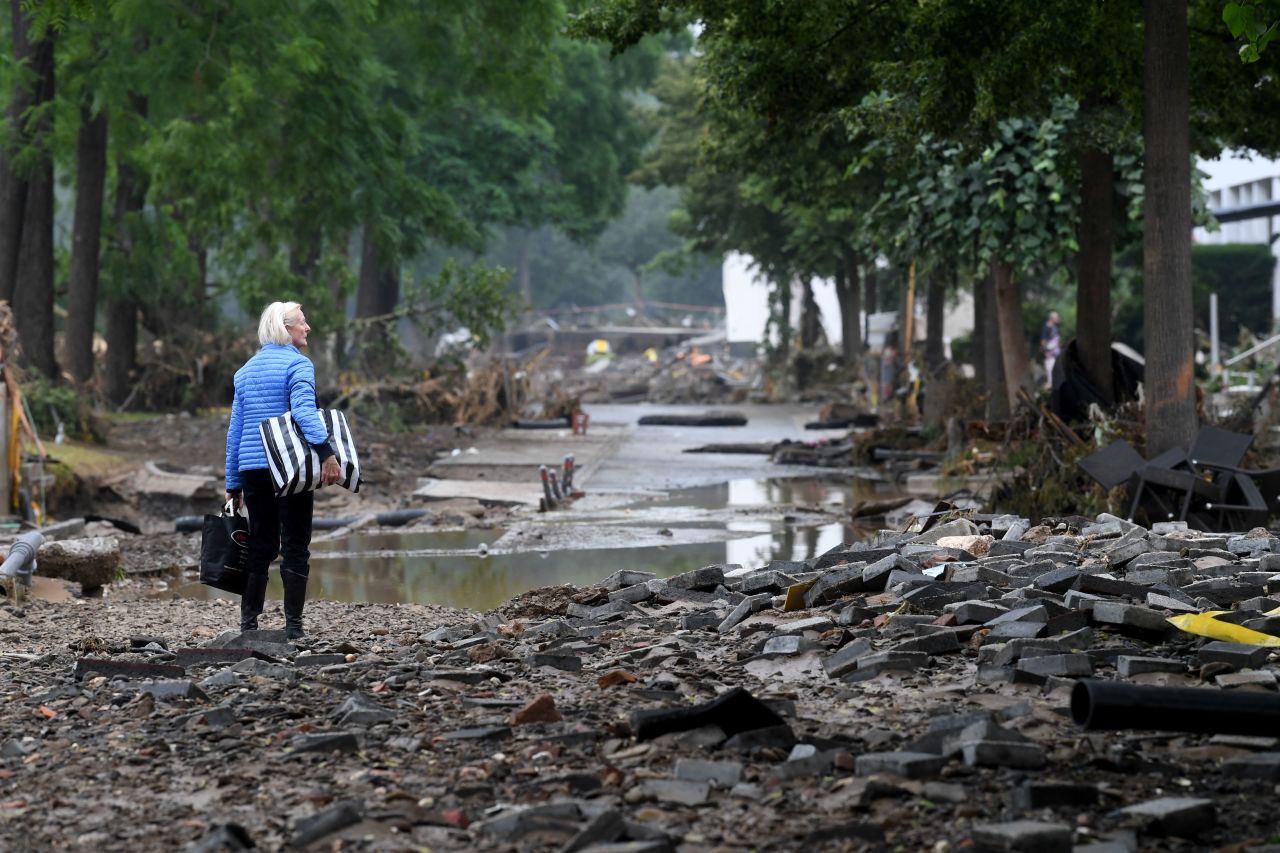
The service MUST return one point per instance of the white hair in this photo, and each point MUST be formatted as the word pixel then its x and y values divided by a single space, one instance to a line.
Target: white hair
pixel 273 326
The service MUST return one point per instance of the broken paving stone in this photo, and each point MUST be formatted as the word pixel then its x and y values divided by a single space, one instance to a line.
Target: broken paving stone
pixel 360 710
pixel 908 765
pixel 1263 765
pixel 1024 836
pixel 1122 615
pixel 937 643
pixel 1063 666
pixel 788 644
pixel 726 773
pixel 625 578
pixel 173 690
pixel 845 659
pixel 604 828
pixel 212 656
pixel 541 709
pixel 565 663
pixel 1184 817
pixel 975 612
pixel 264 669
pixel 836 583
pixel 676 791
pixel 632 594
pixel 614 678
pixel 767 581
pixel 1128 666
pixel 992 753
pixel 325 742
pixel 1253 678
pixel 1239 655
pixel 750 604
pixel 1049 795
pixel 515 823
pixel 336 818
pixel 108 668
pixel 705 579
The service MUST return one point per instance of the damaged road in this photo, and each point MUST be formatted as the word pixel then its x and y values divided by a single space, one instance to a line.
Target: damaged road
pixel 909 692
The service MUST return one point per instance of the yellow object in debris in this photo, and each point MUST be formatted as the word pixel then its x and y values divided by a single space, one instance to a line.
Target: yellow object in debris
pixel 651 354
pixel 599 346
pixel 795 596
pixel 1205 625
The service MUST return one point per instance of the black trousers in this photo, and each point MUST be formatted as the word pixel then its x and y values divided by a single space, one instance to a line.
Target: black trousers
pixel 277 526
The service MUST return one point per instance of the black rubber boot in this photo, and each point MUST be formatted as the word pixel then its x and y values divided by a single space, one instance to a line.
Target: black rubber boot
pixel 295 596
pixel 255 592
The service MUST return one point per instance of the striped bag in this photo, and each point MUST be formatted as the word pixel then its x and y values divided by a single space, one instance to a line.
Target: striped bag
pixel 295 466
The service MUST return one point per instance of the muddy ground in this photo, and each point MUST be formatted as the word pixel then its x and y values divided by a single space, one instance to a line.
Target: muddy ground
pixel 141 721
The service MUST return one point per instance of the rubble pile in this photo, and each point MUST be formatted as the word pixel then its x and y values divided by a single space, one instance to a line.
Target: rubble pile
pixel 910 692
pixel 673 375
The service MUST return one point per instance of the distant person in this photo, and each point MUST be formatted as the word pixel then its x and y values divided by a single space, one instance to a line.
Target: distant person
pixel 278 379
pixel 888 368
pixel 1050 346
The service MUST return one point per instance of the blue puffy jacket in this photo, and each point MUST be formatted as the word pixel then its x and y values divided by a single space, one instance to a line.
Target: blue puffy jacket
pixel 276 380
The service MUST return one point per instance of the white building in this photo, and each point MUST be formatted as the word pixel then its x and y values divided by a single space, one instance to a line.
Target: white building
pixel 746 299
pixel 1248 187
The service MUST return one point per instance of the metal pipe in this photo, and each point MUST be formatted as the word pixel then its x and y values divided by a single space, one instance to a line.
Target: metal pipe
pixel 1251 350
pixel 1097 705
pixel 555 486
pixel 21 562
pixel 568 472
pixel 1214 352
pixel 546 487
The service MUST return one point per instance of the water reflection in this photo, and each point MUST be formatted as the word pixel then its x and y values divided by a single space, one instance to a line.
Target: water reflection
pixel 464 578
pixel 431 540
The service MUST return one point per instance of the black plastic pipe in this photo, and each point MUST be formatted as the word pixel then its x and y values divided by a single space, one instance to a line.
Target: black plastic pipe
pixel 1098 705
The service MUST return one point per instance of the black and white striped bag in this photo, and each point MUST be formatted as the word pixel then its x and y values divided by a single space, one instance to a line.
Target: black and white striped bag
pixel 295 465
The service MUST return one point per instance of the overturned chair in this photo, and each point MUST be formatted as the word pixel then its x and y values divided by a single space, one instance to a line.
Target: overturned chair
pixel 1204 487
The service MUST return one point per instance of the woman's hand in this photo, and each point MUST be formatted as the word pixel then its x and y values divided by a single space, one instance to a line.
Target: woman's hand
pixel 330 473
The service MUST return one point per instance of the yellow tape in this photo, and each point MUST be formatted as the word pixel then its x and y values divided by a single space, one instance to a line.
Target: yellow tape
pixel 1205 625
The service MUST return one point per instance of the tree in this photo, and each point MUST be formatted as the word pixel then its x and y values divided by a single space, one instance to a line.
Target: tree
pixel 1166 244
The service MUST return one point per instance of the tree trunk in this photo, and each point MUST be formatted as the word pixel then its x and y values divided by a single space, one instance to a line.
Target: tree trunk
pixel 997 393
pixel 33 282
pixel 978 349
pixel 1013 338
pixel 1170 391
pixel 810 322
pixel 122 306
pixel 1096 234
pixel 13 185
pixel 522 269
pixel 637 292
pixel 782 319
pixel 82 291
pixel 379 289
pixel 849 294
pixel 936 306
pixel 871 297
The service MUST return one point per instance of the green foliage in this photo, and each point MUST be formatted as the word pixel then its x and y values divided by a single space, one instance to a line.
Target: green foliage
pixel 51 405
pixel 1254 21
pixel 1240 273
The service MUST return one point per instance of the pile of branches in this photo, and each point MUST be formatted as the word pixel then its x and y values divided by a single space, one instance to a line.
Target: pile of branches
pixel 494 391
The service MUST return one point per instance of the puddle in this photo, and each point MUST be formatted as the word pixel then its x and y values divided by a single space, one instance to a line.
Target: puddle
pixel 432 540
pixel 443 567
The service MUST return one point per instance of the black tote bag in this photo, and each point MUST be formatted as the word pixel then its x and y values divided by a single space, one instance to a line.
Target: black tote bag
pixel 224 550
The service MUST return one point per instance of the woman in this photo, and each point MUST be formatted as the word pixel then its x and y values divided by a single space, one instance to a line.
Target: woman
pixel 278 379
